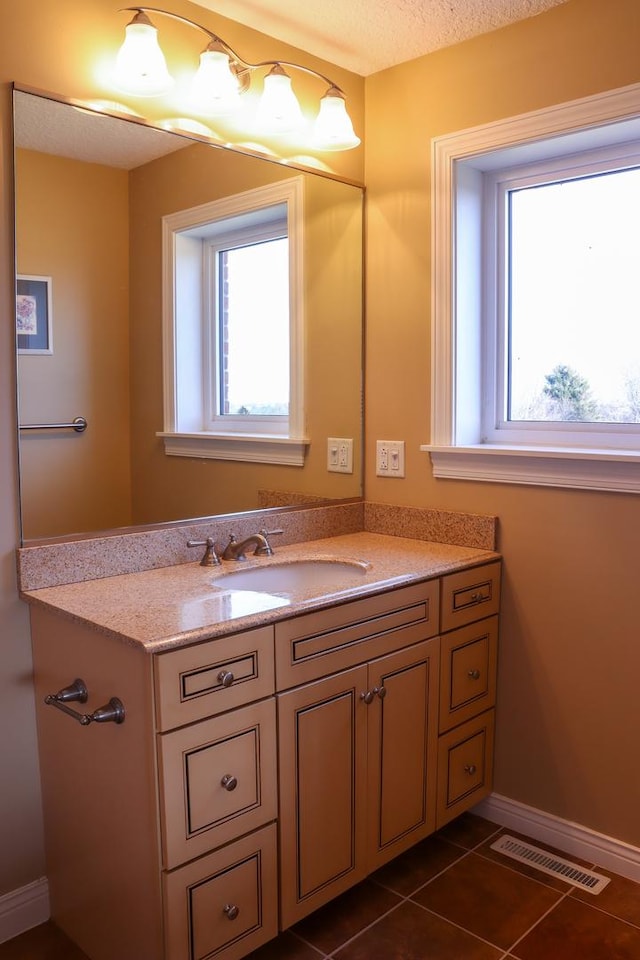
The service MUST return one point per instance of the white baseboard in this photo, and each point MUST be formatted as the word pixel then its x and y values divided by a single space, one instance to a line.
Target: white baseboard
pixel 572 838
pixel 24 908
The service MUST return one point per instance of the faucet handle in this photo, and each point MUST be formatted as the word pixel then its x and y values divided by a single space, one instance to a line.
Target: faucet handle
pixel 210 557
pixel 266 550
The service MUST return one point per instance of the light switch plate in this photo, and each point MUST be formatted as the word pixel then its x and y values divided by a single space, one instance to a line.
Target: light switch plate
pixel 339 455
pixel 390 458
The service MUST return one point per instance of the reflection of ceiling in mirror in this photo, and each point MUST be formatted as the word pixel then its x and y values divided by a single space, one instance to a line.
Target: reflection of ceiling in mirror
pixel 51 127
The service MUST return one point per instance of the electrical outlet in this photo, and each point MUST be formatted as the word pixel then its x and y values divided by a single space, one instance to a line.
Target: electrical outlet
pixel 390 458
pixel 339 455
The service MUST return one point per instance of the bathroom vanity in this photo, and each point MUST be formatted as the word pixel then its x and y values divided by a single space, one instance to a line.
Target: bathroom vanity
pixel 275 748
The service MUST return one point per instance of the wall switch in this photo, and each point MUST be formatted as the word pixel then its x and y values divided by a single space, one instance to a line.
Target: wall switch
pixel 339 455
pixel 390 458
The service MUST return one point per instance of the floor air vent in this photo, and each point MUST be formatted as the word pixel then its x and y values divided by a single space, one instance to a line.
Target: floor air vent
pixel 548 863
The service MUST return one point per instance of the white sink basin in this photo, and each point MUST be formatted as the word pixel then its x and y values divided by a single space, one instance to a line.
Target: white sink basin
pixel 305 575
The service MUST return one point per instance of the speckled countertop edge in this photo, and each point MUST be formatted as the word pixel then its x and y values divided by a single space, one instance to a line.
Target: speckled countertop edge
pixel 166 608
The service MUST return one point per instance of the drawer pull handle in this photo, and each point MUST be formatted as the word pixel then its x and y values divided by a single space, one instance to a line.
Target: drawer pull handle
pixel 226 678
pixel 229 782
pixel 231 911
pixel 380 691
pixel 470 768
pixel 474 674
pixel 367 697
pixel 479 597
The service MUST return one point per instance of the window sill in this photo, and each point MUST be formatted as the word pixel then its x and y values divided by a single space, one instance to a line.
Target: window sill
pixel 253 448
pixel 576 468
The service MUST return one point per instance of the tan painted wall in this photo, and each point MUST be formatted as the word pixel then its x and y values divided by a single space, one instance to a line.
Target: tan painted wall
pixel 76 232
pixel 568 720
pixel 166 488
pixel 55 45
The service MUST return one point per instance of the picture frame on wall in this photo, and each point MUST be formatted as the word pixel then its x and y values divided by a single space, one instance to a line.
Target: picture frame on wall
pixel 34 315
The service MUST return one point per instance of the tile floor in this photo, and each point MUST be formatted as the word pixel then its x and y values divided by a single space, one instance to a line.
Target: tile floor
pixel 449 898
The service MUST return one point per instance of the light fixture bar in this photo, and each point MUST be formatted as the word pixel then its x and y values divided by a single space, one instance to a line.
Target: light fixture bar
pixel 222 75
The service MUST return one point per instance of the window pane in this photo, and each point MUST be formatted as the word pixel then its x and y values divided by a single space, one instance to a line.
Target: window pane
pixel 254 329
pixel 574 300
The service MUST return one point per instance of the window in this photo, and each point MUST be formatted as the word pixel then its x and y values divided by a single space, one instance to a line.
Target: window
pixel 233 322
pixel 536 306
pixel 247 311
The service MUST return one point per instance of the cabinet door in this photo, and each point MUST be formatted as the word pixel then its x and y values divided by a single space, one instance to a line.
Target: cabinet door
pixel 402 750
pixel 322 730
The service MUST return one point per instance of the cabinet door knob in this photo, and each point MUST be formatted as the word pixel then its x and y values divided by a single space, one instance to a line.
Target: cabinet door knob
pixel 367 697
pixel 226 678
pixel 474 674
pixel 380 691
pixel 470 768
pixel 229 782
pixel 231 911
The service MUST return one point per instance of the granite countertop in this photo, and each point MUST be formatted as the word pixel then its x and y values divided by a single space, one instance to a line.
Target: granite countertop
pixel 172 606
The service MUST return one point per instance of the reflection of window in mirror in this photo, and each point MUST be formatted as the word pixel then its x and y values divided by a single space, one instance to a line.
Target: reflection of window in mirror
pixel 233 305
pixel 247 307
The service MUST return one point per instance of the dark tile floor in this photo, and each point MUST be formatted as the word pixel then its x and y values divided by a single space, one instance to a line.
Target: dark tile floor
pixel 449 898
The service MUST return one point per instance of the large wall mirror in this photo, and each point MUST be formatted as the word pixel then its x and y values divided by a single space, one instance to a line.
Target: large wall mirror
pixel 91 191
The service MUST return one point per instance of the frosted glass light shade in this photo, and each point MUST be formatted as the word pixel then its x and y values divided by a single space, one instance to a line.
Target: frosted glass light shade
pixel 215 88
pixel 333 129
pixel 141 68
pixel 278 109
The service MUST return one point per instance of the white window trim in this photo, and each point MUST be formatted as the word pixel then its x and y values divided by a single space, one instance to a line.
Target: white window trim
pixel 188 439
pixel 455 448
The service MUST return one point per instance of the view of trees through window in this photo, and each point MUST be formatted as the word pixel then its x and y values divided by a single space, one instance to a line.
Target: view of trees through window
pixel 573 351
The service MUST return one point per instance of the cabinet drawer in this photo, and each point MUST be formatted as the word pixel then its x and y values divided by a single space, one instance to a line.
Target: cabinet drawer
pixel 208 678
pixel 225 904
pixel 218 780
pixel 470 595
pixel 468 664
pixel 465 766
pixel 318 644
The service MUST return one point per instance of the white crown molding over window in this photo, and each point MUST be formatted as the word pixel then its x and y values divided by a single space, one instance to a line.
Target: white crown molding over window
pixel 184 338
pixel 457 448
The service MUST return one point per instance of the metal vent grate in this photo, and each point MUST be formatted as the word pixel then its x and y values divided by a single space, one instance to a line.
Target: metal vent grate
pixel 549 863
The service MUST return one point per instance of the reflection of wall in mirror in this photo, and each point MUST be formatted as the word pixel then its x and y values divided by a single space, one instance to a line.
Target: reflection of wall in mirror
pixel 73 226
pixel 168 487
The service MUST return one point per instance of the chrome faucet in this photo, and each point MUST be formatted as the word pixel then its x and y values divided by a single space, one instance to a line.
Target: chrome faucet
pixel 235 550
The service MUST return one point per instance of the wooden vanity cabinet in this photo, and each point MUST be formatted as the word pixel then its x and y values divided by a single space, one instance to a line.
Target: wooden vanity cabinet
pixel 357 760
pixel 259 774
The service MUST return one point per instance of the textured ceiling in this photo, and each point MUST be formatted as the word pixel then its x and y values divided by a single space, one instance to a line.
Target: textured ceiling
pixel 57 128
pixel 365 36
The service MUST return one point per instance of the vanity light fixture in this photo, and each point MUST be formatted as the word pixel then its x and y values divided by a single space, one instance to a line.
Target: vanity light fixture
pixel 221 79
